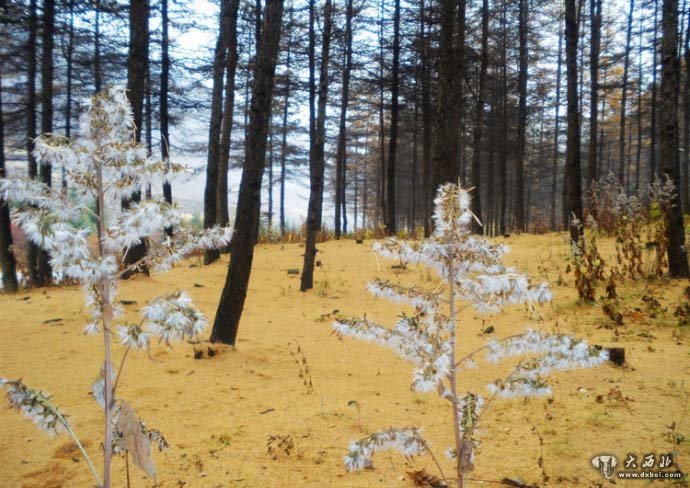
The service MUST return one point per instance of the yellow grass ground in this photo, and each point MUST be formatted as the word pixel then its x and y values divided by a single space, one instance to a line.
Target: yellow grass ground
pixel 218 413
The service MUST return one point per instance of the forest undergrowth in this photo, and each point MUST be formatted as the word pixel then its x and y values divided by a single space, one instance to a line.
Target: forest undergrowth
pixel 281 409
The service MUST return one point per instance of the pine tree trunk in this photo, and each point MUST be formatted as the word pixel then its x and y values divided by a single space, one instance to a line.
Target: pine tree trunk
pixel 365 196
pixel 446 144
pixel 522 120
pixel 503 161
pixel 572 157
pixel 382 127
pixel 356 199
pixel 32 249
pixel 426 119
pixel 136 84
pixel 479 119
pixel 459 53
pixel 270 181
pixel 600 156
pixel 286 111
pixel 640 89
pixel 653 167
pixel 317 166
pixel 68 95
pixel 391 224
pixel 97 75
pixel 624 98
pixel 228 112
pixel 556 130
pixel 342 129
pixel 247 217
pixel 412 216
pixel 163 109
pixel 685 186
pixel 214 130
pixel 45 272
pixel 8 264
pixel 592 163
pixel 148 118
pixel 668 136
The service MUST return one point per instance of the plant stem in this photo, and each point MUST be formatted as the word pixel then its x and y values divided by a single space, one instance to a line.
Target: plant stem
pixel 119 371
pixel 435 460
pixel 473 353
pixel 107 311
pixel 127 468
pixel 453 382
pixel 73 435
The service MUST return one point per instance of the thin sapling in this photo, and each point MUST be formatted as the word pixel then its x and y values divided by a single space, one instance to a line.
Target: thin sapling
pixel 472 272
pixel 105 165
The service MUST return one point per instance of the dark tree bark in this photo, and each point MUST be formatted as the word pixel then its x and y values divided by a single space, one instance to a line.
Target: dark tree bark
pixel 286 111
pixel 47 76
pixel 479 118
pixel 557 129
pixel 70 64
pixel 426 118
pixel 163 109
pixel 341 155
pixel 653 167
pixel 592 162
pixel 31 92
pixel 668 136
pixel 446 134
pixel 391 224
pixel 247 218
pixel 8 265
pixel 148 118
pixel 257 24
pixel 382 127
pixel 640 89
pixel 624 98
pixel 356 199
pixel 214 130
pixel 228 112
pixel 459 53
pixel 32 250
pixel 137 65
pixel 685 187
pixel 412 214
pixel 572 156
pixel 311 54
pixel 365 196
pixel 97 74
pixel 270 181
pixel 522 119
pixel 45 272
pixel 503 159
pixel 600 156
pixel 317 165
pixel 137 61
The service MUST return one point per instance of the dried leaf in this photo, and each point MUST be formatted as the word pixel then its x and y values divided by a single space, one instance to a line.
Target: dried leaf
pixel 516 482
pixel 422 478
pixel 98 386
pixel 134 440
pixel 467 447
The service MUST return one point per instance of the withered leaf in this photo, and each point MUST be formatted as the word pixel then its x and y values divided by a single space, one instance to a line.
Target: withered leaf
pixel 98 386
pixel 422 478
pixel 467 446
pixel 134 440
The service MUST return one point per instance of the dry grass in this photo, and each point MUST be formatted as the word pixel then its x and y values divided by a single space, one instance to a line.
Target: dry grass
pixel 218 413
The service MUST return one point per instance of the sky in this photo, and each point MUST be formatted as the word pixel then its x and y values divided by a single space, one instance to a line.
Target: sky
pixel 190 190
